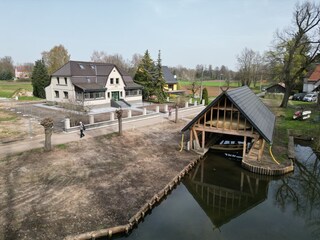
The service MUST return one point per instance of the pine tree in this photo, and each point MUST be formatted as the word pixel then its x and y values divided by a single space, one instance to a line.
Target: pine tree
pixel 205 96
pixel 40 79
pixel 159 81
pixel 145 75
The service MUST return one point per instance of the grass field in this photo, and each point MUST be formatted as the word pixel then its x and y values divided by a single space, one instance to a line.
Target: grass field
pixel 8 88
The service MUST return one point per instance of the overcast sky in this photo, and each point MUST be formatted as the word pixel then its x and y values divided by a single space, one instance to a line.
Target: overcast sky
pixel 188 32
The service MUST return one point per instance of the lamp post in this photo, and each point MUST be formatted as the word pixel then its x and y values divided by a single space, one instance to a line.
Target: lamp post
pixel 201 84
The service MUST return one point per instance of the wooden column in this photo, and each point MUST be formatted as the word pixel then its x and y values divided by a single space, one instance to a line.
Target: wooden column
pixel 244 147
pixel 262 142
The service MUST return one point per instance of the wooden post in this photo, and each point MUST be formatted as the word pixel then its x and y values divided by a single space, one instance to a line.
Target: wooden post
pixel 244 147
pixel 191 140
pixel 262 142
pixel 119 113
pixel 176 119
pixel 203 139
pixel 47 123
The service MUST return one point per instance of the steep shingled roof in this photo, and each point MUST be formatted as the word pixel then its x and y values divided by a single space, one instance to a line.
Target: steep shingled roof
pixel 253 109
pixel 168 76
pixel 94 73
pixel 315 76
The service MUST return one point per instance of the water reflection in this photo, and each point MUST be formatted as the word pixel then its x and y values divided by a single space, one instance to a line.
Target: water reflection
pixel 302 189
pixel 224 190
pixel 220 200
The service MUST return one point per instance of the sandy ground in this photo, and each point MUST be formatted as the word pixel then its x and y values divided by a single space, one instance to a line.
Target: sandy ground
pixel 87 185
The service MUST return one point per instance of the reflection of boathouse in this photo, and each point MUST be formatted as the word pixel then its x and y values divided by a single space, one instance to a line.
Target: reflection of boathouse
pixel 237 113
pixel 224 191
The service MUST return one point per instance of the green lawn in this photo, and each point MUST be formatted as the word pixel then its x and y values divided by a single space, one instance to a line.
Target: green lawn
pixel 8 88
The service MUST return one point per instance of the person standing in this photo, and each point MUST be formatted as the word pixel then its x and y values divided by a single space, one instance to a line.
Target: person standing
pixel 82 128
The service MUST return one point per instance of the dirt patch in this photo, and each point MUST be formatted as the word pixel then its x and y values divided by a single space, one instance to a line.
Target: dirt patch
pixel 87 185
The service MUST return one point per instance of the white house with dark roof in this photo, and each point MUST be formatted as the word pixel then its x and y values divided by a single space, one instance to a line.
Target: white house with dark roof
pixel 92 83
pixel 312 82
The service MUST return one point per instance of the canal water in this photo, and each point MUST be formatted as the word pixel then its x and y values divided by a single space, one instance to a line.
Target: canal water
pixel 220 200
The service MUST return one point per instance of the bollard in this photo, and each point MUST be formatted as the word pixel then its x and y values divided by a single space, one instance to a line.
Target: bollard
pixel 168 99
pixel 91 119
pixel 157 109
pixel 195 103
pixel 186 105
pixel 166 108
pixel 190 100
pixel 144 111
pixel 129 113
pixel 112 116
pixel 66 123
pixel 203 102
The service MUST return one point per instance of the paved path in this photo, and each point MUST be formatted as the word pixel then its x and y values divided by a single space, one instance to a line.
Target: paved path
pixel 8 149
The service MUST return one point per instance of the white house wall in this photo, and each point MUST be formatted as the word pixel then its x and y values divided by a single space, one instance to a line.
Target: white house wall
pixel 61 88
pixel 115 87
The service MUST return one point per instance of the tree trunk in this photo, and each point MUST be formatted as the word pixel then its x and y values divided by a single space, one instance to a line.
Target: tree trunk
pixel 285 99
pixel 120 126
pixel 176 120
pixel 47 142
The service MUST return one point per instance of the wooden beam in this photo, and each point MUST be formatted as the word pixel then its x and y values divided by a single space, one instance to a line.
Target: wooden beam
pixel 191 140
pixel 262 142
pixel 203 138
pixel 211 115
pixel 224 112
pixel 244 146
pixel 196 135
pixel 231 118
pixel 229 132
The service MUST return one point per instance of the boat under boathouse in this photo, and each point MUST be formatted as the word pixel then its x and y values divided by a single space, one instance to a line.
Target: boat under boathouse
pixel 236 119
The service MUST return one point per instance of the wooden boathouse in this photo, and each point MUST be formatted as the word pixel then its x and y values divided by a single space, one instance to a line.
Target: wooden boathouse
pixel 235 113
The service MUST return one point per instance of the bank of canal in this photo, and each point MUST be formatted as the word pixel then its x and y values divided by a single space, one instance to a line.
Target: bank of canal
pixel 221 200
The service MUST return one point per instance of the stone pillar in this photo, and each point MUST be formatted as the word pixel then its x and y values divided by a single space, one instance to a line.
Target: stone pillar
pixel 195 103
pixel 144 111
pixel 157 109
pixel 112 116
pixel 66 123
pixel 186 105
pixel 166 108
pixel 203 102
pixel 168 99
pixel 129 113
pixel 91 119
pixel 190 100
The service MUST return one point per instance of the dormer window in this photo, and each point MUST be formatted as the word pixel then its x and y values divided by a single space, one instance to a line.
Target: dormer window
pixel 93 67
pixel 88 80
pixel 81 66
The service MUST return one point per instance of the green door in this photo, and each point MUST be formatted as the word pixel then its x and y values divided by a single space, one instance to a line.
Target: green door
pixel 115 96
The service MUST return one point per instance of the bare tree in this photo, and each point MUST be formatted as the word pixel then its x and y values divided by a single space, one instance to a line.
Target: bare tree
pixel 116 59
pixel 249 63
pixel 297 47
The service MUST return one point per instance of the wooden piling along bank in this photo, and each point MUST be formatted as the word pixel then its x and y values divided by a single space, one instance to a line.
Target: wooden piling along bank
pixel 147 207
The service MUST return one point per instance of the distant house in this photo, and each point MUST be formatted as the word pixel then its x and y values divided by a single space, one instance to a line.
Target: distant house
pixel 22 72
pixel 312 82
pixel 171 81
pixel 92 83
pixel 276 88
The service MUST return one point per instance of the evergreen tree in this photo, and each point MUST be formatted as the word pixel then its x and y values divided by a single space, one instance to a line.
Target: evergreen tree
pixel 145 75
pixel 40 79
pixel 159 81
pixel 205 96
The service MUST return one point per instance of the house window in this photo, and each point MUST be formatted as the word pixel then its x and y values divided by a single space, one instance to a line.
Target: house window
pixel 56 93
pixel 58 80
pixel 120 94
pixel 66 95
pixel 111 80
pixel 133 93
pixel 65 81
pixel 117 80
pixel 108 95
pixel 94 95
